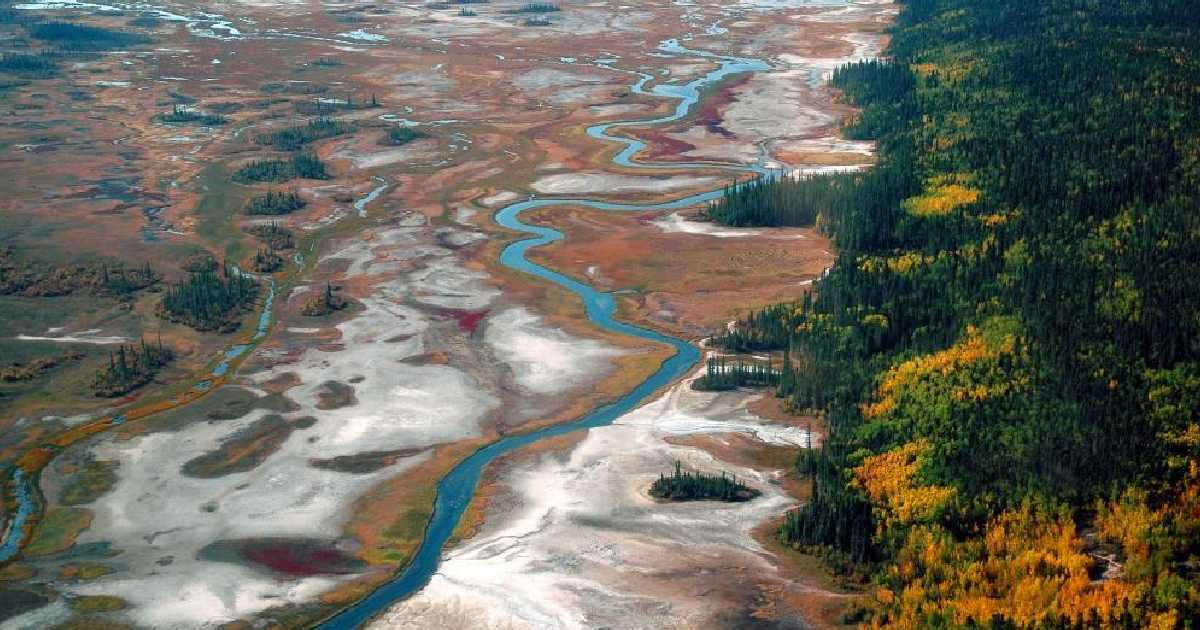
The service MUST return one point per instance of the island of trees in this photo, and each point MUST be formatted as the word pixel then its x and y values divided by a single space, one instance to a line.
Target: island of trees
pixel 180 114
pixel 210 300
pixel 697 486
pixel 301 165
pixel 130 367
pixel 400 135
pixel 328 301
pixel 274 236
pixel 274 203
pixel 296 137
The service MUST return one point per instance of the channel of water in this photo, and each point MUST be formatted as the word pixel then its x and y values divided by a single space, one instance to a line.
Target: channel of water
pixel 456 489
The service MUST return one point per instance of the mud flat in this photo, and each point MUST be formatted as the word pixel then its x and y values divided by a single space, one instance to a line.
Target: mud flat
pixel 609 184
pixel 573 540
pixel 785 116
pixel 223 514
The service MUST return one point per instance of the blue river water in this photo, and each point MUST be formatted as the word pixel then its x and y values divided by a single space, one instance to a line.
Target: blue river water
pixel 260 331
pixel 19 517
pixel 457 488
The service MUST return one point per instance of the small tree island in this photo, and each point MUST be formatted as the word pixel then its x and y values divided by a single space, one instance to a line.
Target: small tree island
pixel 684 486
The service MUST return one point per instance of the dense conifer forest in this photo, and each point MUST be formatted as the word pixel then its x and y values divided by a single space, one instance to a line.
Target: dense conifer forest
pixel 1008 348
pixel 35 66
pixel 697 486
pixel 210 300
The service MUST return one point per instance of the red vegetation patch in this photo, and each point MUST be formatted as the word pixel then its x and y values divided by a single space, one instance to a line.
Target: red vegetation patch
pixel 289 556
pixel 298 558
pixel 468 321
pixel 710 114
pixel 659 145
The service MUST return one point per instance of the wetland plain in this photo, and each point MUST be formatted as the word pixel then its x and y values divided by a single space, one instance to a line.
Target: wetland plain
pixel 286 462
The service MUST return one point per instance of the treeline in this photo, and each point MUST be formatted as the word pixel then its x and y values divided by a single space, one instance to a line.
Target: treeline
pixel 210 300
pixel 805 200
pixel 776 201
pixel 873 82
pixel 296 137
pixel 130 367
pixel 274 203
pixel 35 66
pixel 1007 350
pixel 78 37
pixel 721 374
pixel 31 279
pixel 302 166
pixel 766 329
pixel 60 40
pixel 697 486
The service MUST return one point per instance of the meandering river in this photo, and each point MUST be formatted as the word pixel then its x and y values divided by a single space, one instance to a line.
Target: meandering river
pixel 456 490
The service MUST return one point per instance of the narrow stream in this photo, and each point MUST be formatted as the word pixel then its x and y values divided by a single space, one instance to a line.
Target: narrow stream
pixel 456 490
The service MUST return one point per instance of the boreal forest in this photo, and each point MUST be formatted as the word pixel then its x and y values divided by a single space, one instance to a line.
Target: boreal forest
pixel 1007 351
